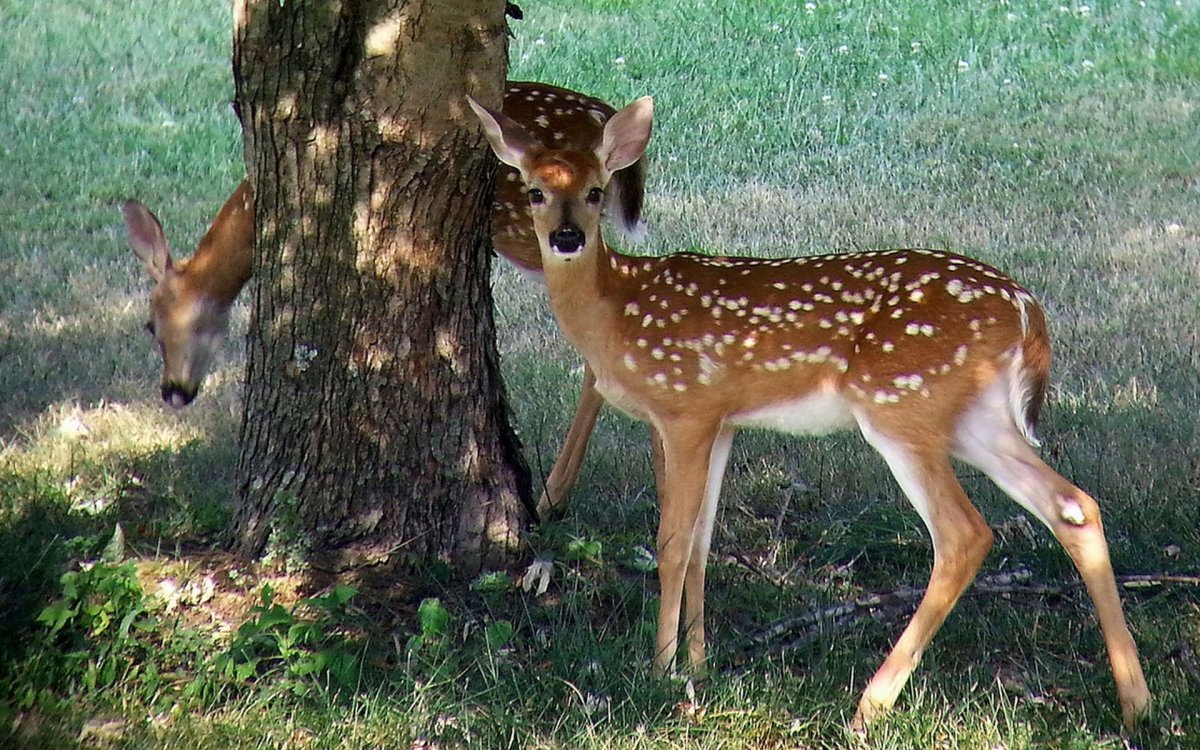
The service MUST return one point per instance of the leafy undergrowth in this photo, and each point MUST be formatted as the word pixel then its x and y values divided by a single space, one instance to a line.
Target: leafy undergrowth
pixel 196 648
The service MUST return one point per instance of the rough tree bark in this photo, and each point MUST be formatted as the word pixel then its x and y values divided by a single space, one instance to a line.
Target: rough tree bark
pixel 375 421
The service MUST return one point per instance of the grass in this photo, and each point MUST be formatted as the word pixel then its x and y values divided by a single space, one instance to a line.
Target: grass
pixel 1058 143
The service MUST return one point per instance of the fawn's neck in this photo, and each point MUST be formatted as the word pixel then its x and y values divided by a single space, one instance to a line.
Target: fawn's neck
pixel 587 293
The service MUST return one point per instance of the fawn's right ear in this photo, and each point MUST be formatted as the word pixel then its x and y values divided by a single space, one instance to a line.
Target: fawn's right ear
pixel 147 239
pixel 509 140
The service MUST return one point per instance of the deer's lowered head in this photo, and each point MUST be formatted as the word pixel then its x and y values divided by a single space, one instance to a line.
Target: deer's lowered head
pixel 190 302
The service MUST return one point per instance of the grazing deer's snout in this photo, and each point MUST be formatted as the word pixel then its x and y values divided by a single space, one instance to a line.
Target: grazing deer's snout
pixel 177 396
pixel 567 239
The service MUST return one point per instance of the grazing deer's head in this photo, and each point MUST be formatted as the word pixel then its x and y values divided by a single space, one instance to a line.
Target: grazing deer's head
pixel 190 302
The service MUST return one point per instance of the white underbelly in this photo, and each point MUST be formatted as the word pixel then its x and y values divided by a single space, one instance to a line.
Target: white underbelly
pixel 815 414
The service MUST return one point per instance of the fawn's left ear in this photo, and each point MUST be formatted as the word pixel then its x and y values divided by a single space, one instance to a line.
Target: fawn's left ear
pixel 147 239
pixel 509 140
pixel 626 135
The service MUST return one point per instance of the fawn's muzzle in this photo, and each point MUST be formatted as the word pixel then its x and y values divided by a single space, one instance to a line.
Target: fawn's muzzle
pixel 567 240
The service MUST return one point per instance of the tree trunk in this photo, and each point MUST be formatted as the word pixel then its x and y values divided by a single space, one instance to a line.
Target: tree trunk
pixel 375 421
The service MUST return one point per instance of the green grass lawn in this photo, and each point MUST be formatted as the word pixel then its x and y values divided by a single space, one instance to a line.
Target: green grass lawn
pixel 1059 143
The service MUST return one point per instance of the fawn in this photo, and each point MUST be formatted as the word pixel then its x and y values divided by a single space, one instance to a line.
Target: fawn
pixel 928 354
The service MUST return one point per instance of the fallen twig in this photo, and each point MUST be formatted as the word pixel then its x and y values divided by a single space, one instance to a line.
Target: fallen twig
pixel 801 628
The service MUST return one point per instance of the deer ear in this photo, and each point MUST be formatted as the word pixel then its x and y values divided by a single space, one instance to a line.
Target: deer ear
pixel 147 239
pixel 509 140
pixel 626 135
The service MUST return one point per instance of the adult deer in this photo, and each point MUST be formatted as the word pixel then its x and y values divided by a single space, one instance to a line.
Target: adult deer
pixel 929 354
pixel 191 300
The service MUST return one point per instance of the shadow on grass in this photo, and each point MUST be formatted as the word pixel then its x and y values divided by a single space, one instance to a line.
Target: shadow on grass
pixel 82 358
pixel 161 499
pixel 35 548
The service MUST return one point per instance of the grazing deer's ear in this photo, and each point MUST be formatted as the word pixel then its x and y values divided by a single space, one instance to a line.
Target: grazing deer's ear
pixel 626 135
pixel 147 239
pixel 509 140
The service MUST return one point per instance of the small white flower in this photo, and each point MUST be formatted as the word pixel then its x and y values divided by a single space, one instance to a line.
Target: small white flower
pixel 620 60
pixel 1010 16
pixel 1084 10
pixel 200 592
pixel 168 591
pixel 800 51
pixel 810 8
pixel 1088 64
pixel 537 576
pixel 540 41
pixel 964 65
pixel 92 506
pixel 72 427
pixel 593 703
pixel 1007 81
pixel 882 77
pixel 1174 228
pixel 843 49
pixel 916 46
pixel 826 99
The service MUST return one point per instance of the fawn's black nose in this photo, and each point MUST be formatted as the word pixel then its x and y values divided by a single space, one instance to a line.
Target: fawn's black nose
pixel 567 239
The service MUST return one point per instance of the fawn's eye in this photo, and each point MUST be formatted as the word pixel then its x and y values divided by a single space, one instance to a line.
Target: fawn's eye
pixel 536 197
pixel 595 196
